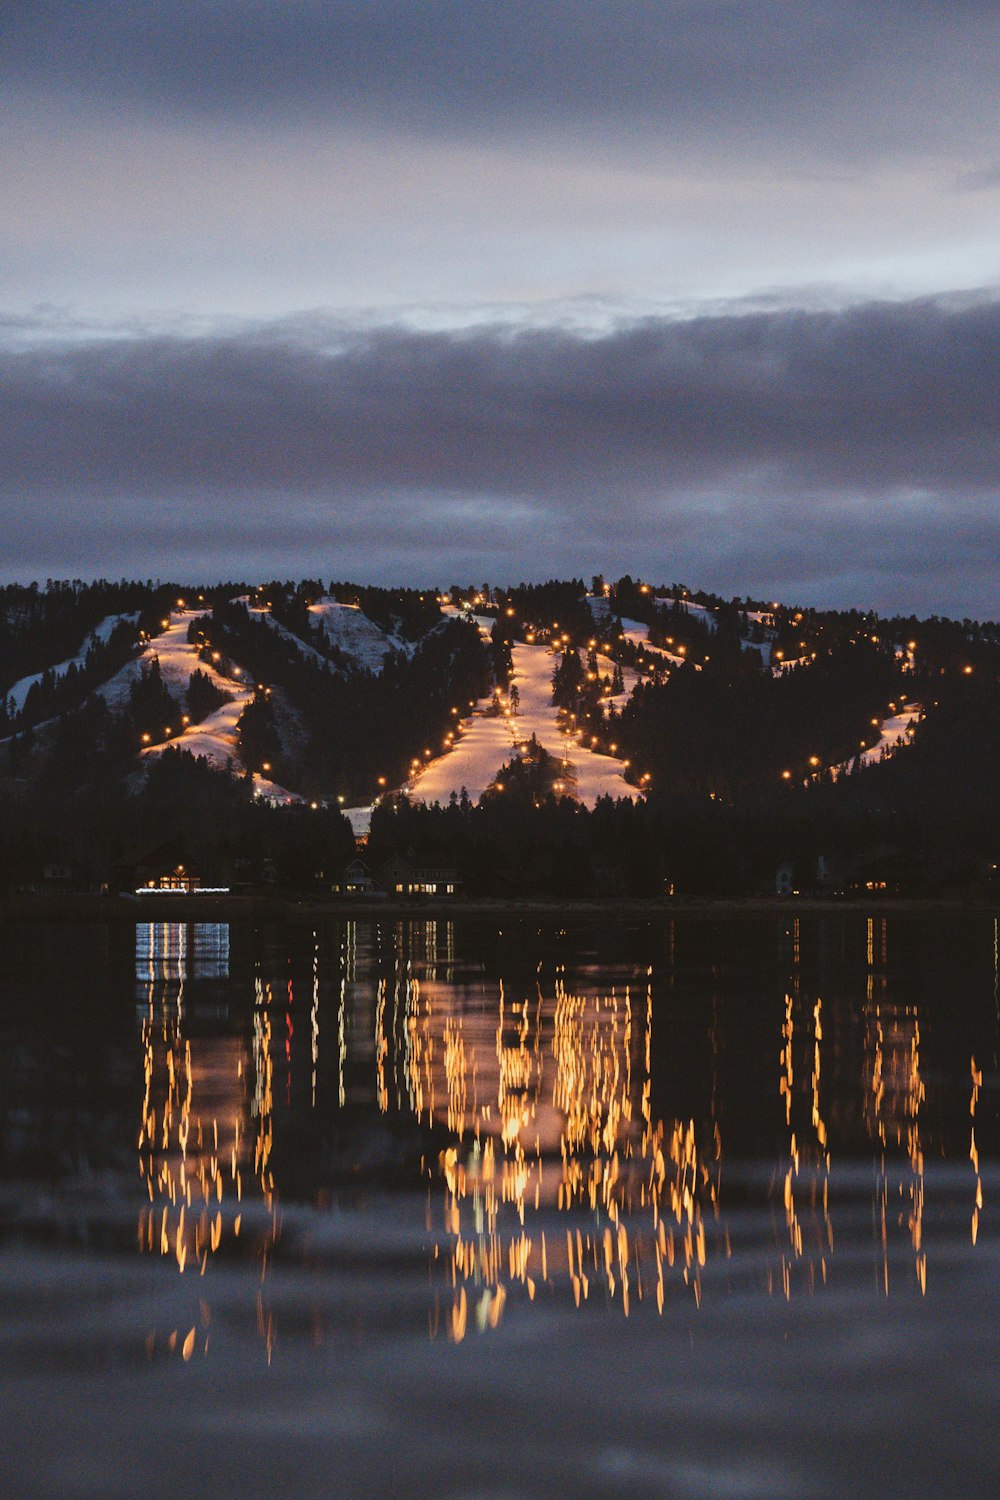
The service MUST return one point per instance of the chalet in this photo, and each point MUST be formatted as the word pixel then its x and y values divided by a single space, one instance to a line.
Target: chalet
pixel 177 878
pixel 355 880
pixel 398 877
pixel 168 867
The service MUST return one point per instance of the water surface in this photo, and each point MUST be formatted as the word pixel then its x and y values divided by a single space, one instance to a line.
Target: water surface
pixel 500 1208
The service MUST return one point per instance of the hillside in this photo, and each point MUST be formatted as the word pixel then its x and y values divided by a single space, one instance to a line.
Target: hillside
pixel 689 741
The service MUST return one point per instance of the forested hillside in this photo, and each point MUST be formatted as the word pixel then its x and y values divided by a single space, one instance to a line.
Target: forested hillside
pixel 624 737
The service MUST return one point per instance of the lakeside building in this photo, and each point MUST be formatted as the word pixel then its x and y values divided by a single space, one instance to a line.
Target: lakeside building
pixel 396 877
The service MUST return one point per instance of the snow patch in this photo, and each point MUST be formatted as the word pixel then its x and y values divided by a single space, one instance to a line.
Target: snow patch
pixel 302 647
pixel 893 732
pixel 216 738
pixel 346 627
pixel 638 633
pixel 702 611
pixel 779 668
pixel 487 741
pixel 102 634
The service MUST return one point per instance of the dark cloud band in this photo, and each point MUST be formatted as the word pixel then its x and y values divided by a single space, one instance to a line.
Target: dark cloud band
pixel 892 74
pixel 868 399
pixel 812 446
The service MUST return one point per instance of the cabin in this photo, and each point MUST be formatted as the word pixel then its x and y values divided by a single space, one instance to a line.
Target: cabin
pixel 168 867
pixel 177 878
pixel 398 877
pixel 355 880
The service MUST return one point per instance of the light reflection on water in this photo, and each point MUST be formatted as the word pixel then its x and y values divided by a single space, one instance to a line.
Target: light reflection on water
pixel 547 1172
pixel 698 1208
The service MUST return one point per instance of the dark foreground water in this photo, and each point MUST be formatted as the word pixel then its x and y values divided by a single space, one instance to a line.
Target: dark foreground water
pixel 500 1209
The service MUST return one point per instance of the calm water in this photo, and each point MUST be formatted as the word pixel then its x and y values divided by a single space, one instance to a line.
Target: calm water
pixel 500 1209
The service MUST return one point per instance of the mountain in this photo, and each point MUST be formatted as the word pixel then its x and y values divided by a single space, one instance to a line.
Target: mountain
pixel 626 736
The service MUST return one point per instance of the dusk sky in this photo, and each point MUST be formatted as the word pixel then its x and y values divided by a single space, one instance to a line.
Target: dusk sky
pixel 427 291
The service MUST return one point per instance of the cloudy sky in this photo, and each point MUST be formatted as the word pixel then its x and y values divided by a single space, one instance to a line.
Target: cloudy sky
pixel 435 289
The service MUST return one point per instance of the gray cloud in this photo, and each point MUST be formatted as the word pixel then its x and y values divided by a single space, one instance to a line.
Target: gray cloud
pixel 893 74
pixel 847 457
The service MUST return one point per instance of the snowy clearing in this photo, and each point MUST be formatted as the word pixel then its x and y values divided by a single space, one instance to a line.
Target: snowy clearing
pixel 19 692
pixel 893 732
pixel 352 632
pixel 590 775
pixel 215 739
pixel 779 668
pixel 486 742
pixel 309 652
pixel 702 611
pixel 638 633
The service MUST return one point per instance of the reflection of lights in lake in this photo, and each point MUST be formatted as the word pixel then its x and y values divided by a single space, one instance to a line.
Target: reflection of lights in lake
pixel 550 1108
pixel 193 1139
pixel 895 1095
pixel 530 1104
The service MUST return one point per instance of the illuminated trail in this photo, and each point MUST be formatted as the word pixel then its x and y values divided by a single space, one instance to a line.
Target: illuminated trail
pixel 484 742
pixel 894 732
pixel 215 739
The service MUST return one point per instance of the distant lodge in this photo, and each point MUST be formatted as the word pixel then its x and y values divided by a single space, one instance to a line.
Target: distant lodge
pixel 169 869
pixel 397 877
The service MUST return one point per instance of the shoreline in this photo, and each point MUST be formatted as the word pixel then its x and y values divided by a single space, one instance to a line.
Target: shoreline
pixel 71 906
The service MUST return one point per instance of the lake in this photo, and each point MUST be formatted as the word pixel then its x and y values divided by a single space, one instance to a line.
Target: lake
pixel 501 1207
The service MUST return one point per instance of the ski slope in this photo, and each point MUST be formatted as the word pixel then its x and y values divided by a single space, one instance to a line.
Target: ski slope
pixel 630 677
pixel 589 775
pixel 483 744
pixel 346 627
pixel 701 611
pixel 638 633
pixel 779 668
pixel 309 652
pixel 893 732
pixel 19 692
pixel 486 741
pixel 215 739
